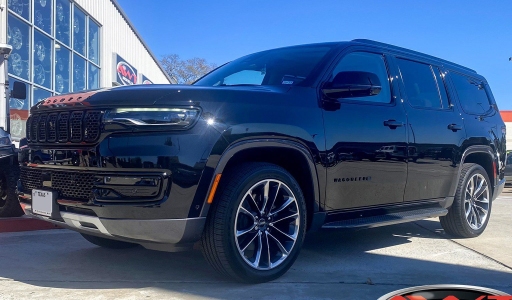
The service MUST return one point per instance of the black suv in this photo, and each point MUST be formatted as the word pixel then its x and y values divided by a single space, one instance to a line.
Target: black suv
pixel 254 154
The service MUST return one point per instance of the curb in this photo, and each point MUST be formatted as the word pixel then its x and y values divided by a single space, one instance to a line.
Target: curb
pixel 24 224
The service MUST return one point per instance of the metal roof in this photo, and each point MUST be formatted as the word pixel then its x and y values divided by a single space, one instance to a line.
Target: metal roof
pixel 123 14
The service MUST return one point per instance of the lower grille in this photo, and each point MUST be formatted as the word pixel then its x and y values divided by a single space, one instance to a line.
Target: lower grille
pixel 70 185
pixel 99 186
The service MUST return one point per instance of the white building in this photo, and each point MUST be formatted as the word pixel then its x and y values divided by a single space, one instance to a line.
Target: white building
pixel 62 46
pixel 506 115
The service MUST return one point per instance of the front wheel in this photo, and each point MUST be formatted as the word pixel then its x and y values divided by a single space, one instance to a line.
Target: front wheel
pixel 257 224
pixel 471 209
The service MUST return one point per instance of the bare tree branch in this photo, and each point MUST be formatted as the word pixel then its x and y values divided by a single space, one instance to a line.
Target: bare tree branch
pixel 186 71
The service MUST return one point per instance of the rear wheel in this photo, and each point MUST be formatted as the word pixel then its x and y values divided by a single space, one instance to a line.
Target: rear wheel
pixel 9 204
pixel 471 209
pixel 257 224
pixel 107 243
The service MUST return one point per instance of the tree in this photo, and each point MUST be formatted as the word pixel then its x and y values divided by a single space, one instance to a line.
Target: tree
pixel 186 71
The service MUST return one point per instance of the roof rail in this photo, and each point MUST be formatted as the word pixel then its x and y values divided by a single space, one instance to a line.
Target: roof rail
pixel 393 47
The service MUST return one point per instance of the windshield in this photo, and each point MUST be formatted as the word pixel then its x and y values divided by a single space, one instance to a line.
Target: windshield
pixel 285 66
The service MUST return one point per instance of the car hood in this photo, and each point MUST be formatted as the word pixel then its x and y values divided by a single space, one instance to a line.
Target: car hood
pixel 159 95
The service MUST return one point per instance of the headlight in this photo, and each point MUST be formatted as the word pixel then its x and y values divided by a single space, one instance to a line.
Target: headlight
pixel 179 117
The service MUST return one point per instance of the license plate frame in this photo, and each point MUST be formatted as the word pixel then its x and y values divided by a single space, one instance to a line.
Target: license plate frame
pixel 44 203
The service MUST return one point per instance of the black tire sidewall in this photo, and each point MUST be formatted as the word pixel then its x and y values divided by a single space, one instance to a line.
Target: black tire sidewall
pixel 237 263
pixel 11 207
pixel 475 169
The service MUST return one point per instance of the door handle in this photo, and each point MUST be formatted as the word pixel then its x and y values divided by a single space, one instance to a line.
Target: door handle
pixel 454 127
pixel 393 124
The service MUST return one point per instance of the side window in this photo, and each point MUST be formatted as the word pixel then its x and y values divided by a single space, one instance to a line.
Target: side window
pixel 366 62
pixel 420 84
pixel 471 92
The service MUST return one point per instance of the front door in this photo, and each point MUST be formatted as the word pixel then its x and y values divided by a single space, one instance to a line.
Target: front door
pixel 366 141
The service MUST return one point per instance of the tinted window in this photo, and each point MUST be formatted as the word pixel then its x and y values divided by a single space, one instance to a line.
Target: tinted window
pixel 366 62
pixel 420 85
pixel 285 66
pixel 471 94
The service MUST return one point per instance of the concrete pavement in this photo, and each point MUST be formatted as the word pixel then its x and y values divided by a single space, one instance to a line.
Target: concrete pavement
pixel 60 264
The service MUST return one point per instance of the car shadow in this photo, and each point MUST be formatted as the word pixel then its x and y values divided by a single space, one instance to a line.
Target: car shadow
pixel 403 255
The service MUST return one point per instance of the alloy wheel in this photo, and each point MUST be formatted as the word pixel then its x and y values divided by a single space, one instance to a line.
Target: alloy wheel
pixel 267 224
pixel 476 201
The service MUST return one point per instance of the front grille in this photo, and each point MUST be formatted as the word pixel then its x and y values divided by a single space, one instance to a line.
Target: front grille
pixel 70 185
pixel 76 127
pixel 33 127
pixel 52 127
pixel 41 136
pixel 92 123
pixel 65 127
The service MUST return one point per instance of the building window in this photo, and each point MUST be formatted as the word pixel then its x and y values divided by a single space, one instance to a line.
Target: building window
pixel 56 49
pixel 43 15
pixel 62 21
pixel 18 35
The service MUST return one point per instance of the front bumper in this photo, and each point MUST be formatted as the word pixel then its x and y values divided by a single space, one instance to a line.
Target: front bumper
pixel 159 234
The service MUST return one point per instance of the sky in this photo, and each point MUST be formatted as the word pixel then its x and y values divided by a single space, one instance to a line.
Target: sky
pixel 475 34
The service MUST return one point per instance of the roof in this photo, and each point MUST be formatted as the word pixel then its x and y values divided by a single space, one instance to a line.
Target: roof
pixel 123 14
pixel 411 52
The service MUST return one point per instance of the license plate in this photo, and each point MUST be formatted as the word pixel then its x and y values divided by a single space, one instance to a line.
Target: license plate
pixel 42 202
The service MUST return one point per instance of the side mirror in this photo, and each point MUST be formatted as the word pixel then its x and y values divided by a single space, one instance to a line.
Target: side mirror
pixel 353 84
pixel 19 90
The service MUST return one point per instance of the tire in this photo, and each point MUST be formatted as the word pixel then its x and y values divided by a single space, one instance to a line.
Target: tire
pixel 237 257
pixel 477 208
pixel 108 243
pixel 9 204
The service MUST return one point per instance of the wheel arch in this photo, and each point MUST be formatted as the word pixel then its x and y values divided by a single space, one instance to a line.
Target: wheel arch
pixel 483 156
pixel 291 155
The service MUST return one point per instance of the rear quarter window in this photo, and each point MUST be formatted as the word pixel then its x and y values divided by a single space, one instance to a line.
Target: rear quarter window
pixel 471 93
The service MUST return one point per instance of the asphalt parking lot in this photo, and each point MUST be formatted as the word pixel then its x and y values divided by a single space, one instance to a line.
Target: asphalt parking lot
pixel 60 264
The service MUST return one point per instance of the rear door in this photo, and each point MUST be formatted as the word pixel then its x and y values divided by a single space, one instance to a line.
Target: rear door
pixel 435 130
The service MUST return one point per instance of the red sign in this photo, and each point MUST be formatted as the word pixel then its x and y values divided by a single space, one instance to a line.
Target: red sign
pixel 125 73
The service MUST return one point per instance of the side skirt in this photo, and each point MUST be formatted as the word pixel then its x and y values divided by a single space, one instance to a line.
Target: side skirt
pixel 385 215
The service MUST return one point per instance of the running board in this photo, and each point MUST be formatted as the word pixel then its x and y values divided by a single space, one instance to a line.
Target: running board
pixel 388 219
